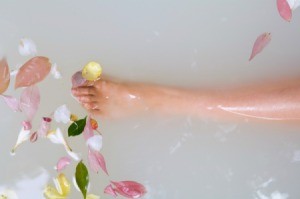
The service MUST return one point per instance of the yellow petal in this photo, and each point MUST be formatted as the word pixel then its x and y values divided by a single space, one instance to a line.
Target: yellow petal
pixel 92 196
pixel 52 193
pixel 64 184
pixel 91 71
pixel 73 117
pixel 62 189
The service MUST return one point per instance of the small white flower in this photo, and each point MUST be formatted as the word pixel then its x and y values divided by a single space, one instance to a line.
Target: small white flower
pixel 55 72
pixel 27 47
pixel 8 194
pixel 73 155
pixel 62 114
pixel 95 142
pixel 24 135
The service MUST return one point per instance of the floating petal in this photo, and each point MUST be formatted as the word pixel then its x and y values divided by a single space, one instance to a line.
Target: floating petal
pixel 96 161
pixel 33 137
pixel 27 125
pixel 27 47
pixel 62 189
pixel 24 135
pixel 33 71
pixel 44 127
pixel 110 191
pixel 55 72
pixel 8 194
pixel 77 79
pixel 88 131
pixel 94 124
pixel 261 42
pixel 293 4
pixel 92 196
pixel 30 101
pixel 73 155
pixel 62 114
pixel 95 142
pixel 284 10
pixel 12 102
pixel 57 137
pixel 129 189
pixel 4 76
pixel 62 163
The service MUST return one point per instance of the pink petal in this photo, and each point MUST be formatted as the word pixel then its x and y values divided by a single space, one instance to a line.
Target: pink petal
pixel 77 79
pixel 261 42
pixel 33 137
pixel 33 71
pixel 130 189
pixel 110 191
pixel 88 131
pixel 27 125
pixel 62 163
pixel 12 103
pixel 4 75
pixel 284 10
pixel 97 161
pixel 29 101
pixel 44 127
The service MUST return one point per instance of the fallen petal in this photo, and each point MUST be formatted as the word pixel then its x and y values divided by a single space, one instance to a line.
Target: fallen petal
pixel 284 10
pixel 110 191
pixel 62 189
pixel 62 114
pixel 27 47
pixel 44 127
pixel 12 102
pixel 24 135
pixel 261 42
pixel 30 101
pixel 293 4
pixel 88 131
pixel 27 125
pixel 62 163
pixel 77 79
pixel 96 161
pixel 8 194
pixel 55 72
pixel 33 137
pixel 130 189
pixel 33 71
pixel 92 196
pixel 73 155
pixel 95 142
pixel 4 75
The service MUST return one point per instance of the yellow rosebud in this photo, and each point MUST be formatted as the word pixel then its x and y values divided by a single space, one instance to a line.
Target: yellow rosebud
pixel 91 71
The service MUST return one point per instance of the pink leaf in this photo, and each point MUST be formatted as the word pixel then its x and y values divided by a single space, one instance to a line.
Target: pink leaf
pixel 88 131
pixel 284 10
pixel 29 101
pixel 4 75
pixel 110 191
pixel 33 71
pixel 44 127
pixel 261 42
pixel 77 79
pixel 12 103
pixel 97 161
pixel 130 189
pixel 33 137
pixel 62 163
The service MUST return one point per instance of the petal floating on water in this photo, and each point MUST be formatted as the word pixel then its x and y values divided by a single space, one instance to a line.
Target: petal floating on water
pixel 8 194
pixel 95 142
pixel 110 191
pixel 284 10
pixel 44 127
pixel 62 114
pixel 62 163
pixel 4 75
pixel 88 131
pixel 261 42
pixel 33 137
pixel 96 161
pixel 32 72
pixel 61 190
pixel 129 189
pixel 55 72
pixel 30 101
pixel 27 125
pixel 24 135
pixel 294 4
pixel 27 47
pixel 12 102
pixel 92 196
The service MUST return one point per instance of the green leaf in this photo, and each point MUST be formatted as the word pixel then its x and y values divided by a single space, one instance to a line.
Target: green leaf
pixel 82 178
pixel 76 128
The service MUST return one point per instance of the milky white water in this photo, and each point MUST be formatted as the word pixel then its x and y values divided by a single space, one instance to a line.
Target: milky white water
pixel 182 43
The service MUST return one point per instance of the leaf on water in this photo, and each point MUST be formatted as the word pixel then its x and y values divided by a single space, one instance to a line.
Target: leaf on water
pixel 82 178
pixel 284 10
pixel 27 47
pixel 4 76
pixel 129 189
pixel 62 163
pixel 76 128
pixel 12 102
pixel 261 42
pixel 30 101
pixel 33 71
pixel 96 161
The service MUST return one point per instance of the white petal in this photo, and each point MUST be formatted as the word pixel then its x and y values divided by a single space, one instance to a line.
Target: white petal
pixel 57 185
pixel 75 184
pixel 24 135
pixel 62 114
pixel 293 4
pixel 27 47
pixel 95 142
pixel 9 194
pixel 296 5
pixel 56 137
pixel 73 155
pixel 55 72
pixel 92 196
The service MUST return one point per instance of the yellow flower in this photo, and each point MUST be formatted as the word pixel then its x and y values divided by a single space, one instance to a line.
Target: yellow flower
pixel 91 71
pixel 61 190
